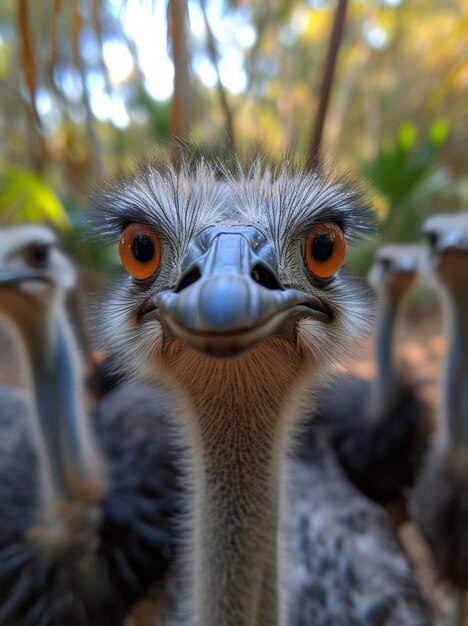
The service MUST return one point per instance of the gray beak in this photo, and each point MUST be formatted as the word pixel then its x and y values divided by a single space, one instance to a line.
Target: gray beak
pixel 408 265
pixel 7 279
pixel 453 240
pixel 230 297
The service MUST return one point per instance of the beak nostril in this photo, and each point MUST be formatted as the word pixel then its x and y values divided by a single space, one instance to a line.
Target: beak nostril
pixel 263 276
pixel 188 279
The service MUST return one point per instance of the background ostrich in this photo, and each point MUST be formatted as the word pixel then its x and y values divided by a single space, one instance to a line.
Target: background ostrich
pixel 235 297
pixel 440 501
pixel 379 428
pixel 85 518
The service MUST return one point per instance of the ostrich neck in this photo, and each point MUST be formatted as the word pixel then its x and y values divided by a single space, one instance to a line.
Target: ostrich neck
pixel 386 384
pixel 238 434
pixel 68 461
pixel 238 500
pixel 454 431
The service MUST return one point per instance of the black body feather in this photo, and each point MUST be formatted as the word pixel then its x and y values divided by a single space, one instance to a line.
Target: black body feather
pixel 439 506
pixel 381 457
pixel 349 566
pixel 127 541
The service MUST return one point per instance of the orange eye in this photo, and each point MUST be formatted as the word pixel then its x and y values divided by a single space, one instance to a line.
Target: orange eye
pixel 139 250
pixel 325 249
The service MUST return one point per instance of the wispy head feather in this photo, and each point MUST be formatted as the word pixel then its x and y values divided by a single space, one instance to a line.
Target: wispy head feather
pixel 284 200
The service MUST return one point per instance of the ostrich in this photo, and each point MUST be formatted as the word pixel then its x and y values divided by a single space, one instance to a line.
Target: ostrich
pixel 379 428
pixel 439 504
pixel 85 508
pixel 234 296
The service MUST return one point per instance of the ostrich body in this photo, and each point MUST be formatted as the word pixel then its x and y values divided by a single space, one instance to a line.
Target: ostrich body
pixel 223 305
pixel 379 428
pixel 440 502
pixel 348 566
pixel 85 510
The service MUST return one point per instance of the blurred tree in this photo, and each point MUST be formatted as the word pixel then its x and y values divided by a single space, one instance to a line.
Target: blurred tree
pixel 327 81
pixel 223 98
pixel 76 88
pixel 181 99
pixel 59 49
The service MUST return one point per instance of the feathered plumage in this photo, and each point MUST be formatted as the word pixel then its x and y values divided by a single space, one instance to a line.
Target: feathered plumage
pixel 87 506
pixel 116 549
pixel 440 507
pixel 348 566
pixel 380 457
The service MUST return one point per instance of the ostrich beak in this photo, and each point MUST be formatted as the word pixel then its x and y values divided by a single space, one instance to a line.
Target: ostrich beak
pixel 230 297
pixel 453 240
pixel 407 265
pixel 7 279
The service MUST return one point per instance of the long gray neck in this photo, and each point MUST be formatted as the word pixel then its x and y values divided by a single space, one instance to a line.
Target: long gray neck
pixel 69 464
pixel 386 384
pixel 238 438
pixel 454 426
pixel 238 501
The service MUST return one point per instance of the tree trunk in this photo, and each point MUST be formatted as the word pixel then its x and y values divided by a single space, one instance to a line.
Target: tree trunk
pixel 177 27
pixel 327 82
pixel 214 57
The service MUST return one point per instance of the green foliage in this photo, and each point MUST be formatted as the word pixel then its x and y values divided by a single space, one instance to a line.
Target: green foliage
pixel 407 176
pixel 439 131
pixel 82 245
pixel 91 254
pixel 26 197
pixel 406 181
pixel 396 59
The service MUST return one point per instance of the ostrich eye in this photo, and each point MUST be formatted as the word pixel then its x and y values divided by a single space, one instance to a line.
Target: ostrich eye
pixel 143 248
pixel 431 238
pixel 385 264
pixel 38 255
pixel 139 251
pixel 325 249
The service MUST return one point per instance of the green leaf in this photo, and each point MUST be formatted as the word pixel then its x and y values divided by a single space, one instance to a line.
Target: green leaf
pixel 26 197
pixel 407 175
pixel 439 131
pixel 407 134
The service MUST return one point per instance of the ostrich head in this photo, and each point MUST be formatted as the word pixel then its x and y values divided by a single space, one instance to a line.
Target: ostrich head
pixel 235 295
pixel 395 269
pixel 222 264
pixel 34 273
pixel 447 239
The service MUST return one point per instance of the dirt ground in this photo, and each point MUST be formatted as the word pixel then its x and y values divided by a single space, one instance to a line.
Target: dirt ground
pixel 421 346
